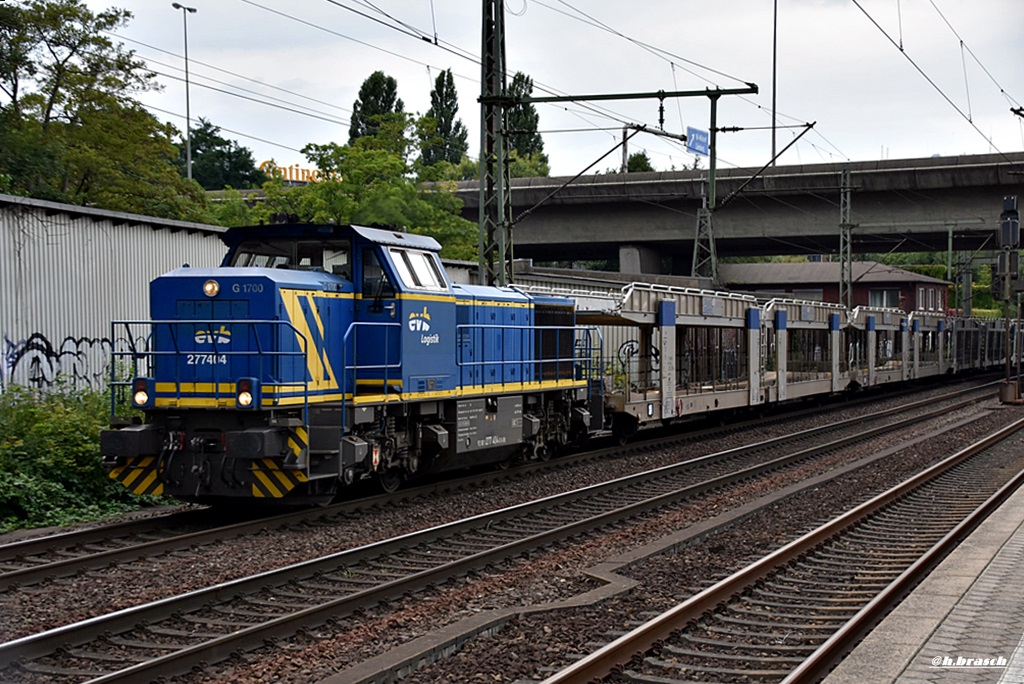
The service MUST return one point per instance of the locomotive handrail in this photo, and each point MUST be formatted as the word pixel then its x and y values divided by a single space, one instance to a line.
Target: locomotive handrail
pixel 349 338
pixel 589 350
pixel 526 332
pixel 262 355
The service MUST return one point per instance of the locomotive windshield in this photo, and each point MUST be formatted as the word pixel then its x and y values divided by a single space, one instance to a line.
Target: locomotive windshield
pixel 330 256
pixel 418 270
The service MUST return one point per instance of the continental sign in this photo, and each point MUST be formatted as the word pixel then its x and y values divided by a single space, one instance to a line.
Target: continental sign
pixel 297 174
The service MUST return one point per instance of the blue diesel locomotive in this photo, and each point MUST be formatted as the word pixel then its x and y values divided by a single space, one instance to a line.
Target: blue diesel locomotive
pixel 317 356
pixel 320 355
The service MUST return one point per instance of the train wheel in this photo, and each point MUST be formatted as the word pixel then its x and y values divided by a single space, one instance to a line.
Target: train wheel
pixel 623 428
pixel 390 481
pixel 543 452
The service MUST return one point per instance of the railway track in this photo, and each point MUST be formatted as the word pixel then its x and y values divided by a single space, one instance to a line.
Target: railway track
pixel 793 614
pixel 172 635
pixel 28 562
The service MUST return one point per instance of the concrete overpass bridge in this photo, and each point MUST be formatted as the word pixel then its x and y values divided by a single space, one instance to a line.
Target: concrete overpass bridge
pixel 647 221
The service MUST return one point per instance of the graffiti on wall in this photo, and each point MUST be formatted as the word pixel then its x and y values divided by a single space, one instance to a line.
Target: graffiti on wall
pixel 36 362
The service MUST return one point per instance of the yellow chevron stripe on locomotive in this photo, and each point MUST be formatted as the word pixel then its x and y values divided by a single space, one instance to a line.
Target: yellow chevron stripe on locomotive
pixel 140 475
pixel 273 482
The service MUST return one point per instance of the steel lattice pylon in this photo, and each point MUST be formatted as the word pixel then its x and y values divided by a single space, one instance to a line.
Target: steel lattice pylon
pixel 845 243
pixel 495 253
pixel 705 258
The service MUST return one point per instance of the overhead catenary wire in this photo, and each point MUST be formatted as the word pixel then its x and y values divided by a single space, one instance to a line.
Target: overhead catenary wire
pixel 590 116
pixel 675 60
pixel 964 46
pixel 664 54
pixel 402 28
pixel 255 97
pixel 409 30
pixel 252 95
pixel 227 130
pixel 256 100
pixel 193 60
pixel 927 78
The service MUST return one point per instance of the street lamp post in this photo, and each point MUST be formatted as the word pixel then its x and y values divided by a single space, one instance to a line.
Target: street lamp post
pixel 185 11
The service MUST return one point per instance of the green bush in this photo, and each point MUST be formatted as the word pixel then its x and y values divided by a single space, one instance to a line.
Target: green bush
pixel 50 471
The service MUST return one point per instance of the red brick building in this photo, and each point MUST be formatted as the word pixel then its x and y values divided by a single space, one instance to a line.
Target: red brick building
pixel 874 284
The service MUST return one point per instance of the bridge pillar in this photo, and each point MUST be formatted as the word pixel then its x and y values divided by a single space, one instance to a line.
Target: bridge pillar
pixel 639 259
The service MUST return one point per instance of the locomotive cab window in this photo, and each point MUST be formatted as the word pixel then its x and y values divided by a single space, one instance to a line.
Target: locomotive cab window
pixel 262 254
pixel 376 283
pixel 337 260
pixel 418 270
pixel 332 256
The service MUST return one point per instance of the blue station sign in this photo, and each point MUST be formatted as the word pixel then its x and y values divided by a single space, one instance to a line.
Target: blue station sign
pixel 697 141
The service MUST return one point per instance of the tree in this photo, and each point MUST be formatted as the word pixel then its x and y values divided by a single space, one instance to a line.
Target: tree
pixel 378 98
pixel 449 141
pixel 523 119
pixel 218 163
pixel 15 44
pixel 531 166
pixel 368 182
pixel 119 159
pixel 59 46
pixel 71 130
pixel 639 162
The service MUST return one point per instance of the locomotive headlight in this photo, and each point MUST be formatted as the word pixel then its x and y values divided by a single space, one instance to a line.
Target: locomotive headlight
pixel 211 288
pixel 247 393
pixel 141 397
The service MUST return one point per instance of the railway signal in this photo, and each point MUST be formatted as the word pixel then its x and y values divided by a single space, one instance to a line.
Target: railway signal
pixel 1007 282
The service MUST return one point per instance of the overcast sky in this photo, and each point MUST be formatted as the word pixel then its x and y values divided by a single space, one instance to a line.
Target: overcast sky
pixel 948 92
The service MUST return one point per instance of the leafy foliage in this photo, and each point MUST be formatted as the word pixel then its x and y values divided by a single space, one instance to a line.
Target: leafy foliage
pixel 523 119
pixel 529 166
pixel 50 471
pixel 639 162
pixel 233 209
pixel 449 140
pixel 69 129
pixel 378 98
pixel 370 182
pixel 217 162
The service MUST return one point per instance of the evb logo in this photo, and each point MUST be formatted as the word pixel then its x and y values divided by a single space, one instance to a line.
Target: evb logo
pixel 419 322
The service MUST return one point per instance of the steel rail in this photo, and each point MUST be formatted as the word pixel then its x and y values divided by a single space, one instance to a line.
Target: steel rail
pixel 220 647
pixel 36 573
pixel 69 538
pixel 842 642
pixel 606 660
pixel 82 632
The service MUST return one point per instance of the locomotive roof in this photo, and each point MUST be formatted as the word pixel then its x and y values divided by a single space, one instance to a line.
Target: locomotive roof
pixel 325 231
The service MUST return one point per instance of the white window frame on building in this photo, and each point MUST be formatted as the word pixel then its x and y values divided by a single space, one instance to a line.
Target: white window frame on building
pixel 884 298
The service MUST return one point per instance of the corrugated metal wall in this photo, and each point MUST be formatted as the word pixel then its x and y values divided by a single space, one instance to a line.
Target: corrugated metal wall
pixel 64 275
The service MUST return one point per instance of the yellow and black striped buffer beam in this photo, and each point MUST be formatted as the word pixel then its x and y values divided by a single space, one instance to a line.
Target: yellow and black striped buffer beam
pixel 298 440
pixel 140 475
pixel 270 481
